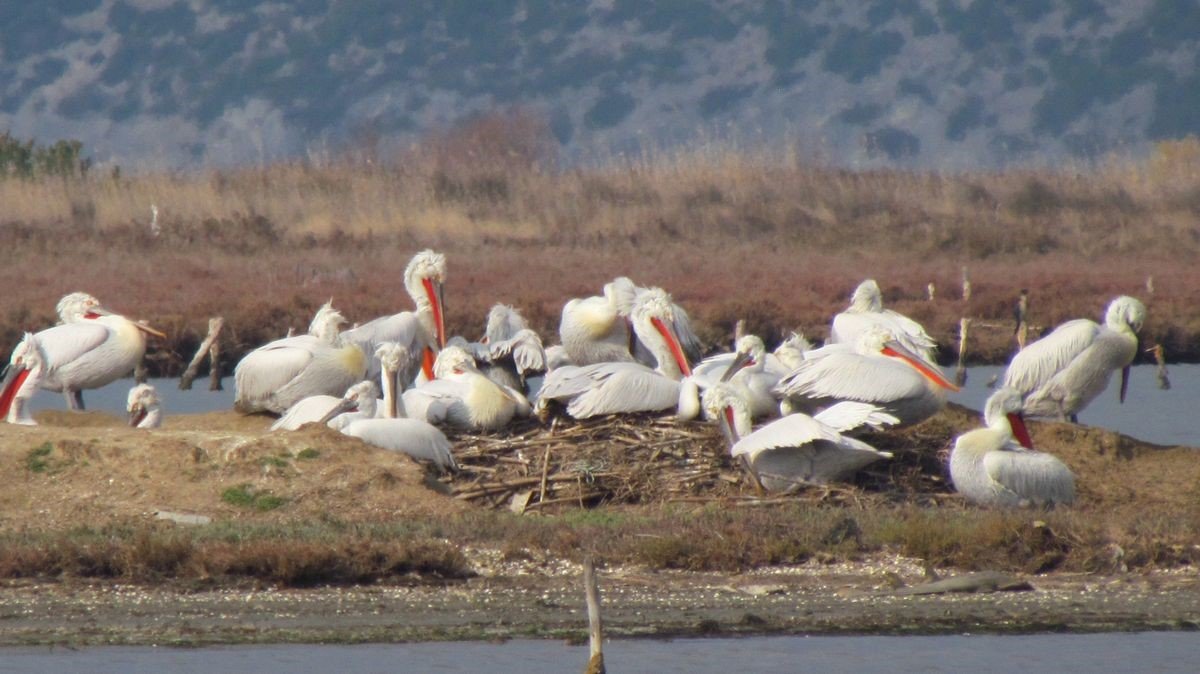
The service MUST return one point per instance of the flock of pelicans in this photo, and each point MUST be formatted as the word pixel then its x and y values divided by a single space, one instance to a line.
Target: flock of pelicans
pixel 630 349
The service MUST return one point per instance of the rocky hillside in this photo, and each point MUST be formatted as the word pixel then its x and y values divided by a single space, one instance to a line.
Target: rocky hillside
pixel 932 83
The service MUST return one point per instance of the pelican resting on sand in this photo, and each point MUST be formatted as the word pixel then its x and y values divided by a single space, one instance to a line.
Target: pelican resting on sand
pixel 866 311
pixel 143 406
pixel 423 331
pixel 618 387
pixel 313 409
pixel 413 437
pixel 1059 374
pixel 997 465
pixel 278 375
pixel 877 370
pixel 92 348
pixel 797 449
pixel 750 369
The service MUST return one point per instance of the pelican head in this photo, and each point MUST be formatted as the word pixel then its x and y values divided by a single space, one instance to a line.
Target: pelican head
pixel 879 340
pixel 791 350
pixel 143 407
pixel 391 355
pixel 360 398
pixel 1002 412
pixel 26 360
pixel 424 278
pixel 867 297
pixel 723 403
pixel 654 321
pixel 453 360
pixel 503 322
pixel 751 353
pixel 1125 312
pixel 75 307
pixel 326 323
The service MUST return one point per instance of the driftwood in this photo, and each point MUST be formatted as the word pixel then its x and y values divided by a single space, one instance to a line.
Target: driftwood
pixel 207 347
pixel 595 663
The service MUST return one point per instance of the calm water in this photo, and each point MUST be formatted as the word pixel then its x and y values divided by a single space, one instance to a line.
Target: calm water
pixel 1063 653
pixel 1149 413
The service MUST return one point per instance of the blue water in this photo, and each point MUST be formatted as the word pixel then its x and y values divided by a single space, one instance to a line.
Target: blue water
pixel 980 654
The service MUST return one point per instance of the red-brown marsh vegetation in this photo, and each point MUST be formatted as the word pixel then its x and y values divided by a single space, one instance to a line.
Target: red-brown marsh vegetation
pixel 760 234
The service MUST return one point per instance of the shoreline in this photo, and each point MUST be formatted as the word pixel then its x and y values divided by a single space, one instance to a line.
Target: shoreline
pixel 812 599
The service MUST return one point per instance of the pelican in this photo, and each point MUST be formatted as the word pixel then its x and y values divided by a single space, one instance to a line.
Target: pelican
pixel 866 310
pixel 21 380
pixel 1061 373
pixel 989 468
pixel 313 409
pixel 143 407
pixel 422 332
pixel 596 329
pixel 797 449
pixel 418 439
pixel 91 348
pixel 276 376
pixel 616 387
pixel 877 370
pixel 514 352
pixel 463 396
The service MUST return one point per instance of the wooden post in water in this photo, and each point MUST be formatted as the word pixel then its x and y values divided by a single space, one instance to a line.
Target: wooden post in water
pixel 960 372
pixel 931 289
pixel 1161 358
pixel 206 347
pixel 1150 285
pixel 966 285
pixel 214 361
pixel 595 663
pixel 739 331
pixel 1022 315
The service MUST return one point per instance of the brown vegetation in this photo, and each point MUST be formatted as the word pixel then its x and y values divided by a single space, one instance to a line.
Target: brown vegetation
pixel 760 234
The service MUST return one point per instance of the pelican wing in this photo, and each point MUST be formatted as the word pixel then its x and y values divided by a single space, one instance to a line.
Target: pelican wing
pixel 710 370
pixel 610 388
pixel 308 410
pixel 526 351
pixel 849 415
pixel 844 375
pixel 1037 363
pixel 794 430
pixel 849 325
pixel 403 328
pixel 415 438
pixel 592 331
pixel 65 343
pixel 1036 477
pixel 273 366
pixel 798 449
pixel 434 401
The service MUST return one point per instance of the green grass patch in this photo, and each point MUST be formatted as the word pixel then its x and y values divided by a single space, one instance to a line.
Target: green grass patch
pixel 38 458
pixel 246 496
pixel 308 453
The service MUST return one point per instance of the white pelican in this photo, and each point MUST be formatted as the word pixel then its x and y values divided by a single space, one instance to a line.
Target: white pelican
pixel 750 369
pixel 278 375
pixel 612 388
pixel 626 294
pixel 422 332
pixel 1061 373
pixel 92 348
pixel 514 352
pixel 143 406
pixel 797 449
pixel 989 468
pixel 462 396
pixel 21 380
pixel 878 370
pixel 416 438
pixel 866 310
pixel 596 329
pixel 312 409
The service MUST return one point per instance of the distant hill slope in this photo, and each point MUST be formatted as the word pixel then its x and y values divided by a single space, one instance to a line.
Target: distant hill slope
pixel 935 83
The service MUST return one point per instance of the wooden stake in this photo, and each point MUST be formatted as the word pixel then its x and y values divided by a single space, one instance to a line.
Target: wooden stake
pixel 214 367
pixel 1022 314
pixel 595 663
pixel 1161 358
pixel 139 372
pixel 960 373
pixel 214 329
pixel 932 290
pixel 739 331
pixel 966 286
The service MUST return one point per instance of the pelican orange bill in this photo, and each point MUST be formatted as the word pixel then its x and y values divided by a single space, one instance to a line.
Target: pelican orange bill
pixel 896 351
pixel 673 343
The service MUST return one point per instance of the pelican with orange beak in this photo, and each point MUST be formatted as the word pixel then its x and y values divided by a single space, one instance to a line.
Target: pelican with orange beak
pixel 421 332
pixel 997 465
pixel 96 348
pixel 618 387
pixel 876 370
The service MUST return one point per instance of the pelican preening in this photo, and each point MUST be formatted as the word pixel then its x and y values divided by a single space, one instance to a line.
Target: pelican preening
pixel 463 396
pixel 144 407
pixel 91 348
pixel 423 331
pixel 866 311
pixel 750 369
pixel 416 438
pixel 278 375
pixel 876 370
pixel 997 465
pixel 512 352
pixel 626 386
pixel 1059 374
pixel 797 449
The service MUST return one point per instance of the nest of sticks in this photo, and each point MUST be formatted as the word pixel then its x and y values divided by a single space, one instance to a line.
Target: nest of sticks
pixel 565 463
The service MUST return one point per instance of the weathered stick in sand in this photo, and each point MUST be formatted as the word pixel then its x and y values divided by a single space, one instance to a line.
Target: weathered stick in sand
pixel 960 372
pixel 214 329
pixel 595 663
pixel 1022 314
pixel 214 367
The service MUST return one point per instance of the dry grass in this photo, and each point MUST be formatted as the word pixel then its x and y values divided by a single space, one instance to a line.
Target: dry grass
pixel 755 233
